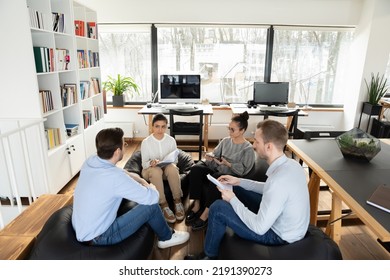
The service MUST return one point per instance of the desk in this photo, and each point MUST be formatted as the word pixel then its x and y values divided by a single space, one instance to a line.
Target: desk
pixel 207 111
pixel 241 108
pixel 351 182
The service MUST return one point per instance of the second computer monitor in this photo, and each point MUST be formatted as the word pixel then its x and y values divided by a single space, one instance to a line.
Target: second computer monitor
pixel 271 93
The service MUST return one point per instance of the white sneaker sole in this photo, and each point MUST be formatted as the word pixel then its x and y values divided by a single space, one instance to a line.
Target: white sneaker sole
pixel 179 237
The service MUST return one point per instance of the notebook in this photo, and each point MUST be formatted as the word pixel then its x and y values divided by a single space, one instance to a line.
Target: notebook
pixel 219 184
pixel 381 198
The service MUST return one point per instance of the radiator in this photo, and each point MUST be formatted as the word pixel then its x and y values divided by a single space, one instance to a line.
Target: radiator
pixel 128 127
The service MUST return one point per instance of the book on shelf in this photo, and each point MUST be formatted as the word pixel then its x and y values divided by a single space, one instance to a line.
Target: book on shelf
pixel 87 118
pixel 62 59
pixel 93 59
pixel 53 137
pixel 92 30
pixel 79 28
pixel 68 94
pixel 49 59
pixel 58 22
pixel 71 129
pixel 36 18
pixel 82 59
pixel 95 84
pixel 46 100
pixel 98 111
pixel 380 198
pixel 84 89
pixel 39 59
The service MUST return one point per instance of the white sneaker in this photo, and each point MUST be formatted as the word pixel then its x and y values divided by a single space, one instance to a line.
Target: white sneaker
pixel 178 237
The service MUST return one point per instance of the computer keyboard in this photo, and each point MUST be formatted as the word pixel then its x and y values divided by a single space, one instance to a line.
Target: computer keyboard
pixel 273 109
pixel 179 106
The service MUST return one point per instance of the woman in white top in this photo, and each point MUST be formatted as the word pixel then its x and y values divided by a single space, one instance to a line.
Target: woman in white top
pixel 153 149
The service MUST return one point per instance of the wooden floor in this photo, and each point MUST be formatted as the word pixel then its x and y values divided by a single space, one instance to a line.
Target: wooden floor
pixel 357 241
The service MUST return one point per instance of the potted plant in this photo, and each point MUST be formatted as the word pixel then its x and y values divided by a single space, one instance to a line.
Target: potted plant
pixel 118 86
pixel 376 89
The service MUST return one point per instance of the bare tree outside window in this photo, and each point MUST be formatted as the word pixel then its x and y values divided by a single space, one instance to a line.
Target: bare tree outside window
pixel 314 62
pixel 127 53
pixel 229 59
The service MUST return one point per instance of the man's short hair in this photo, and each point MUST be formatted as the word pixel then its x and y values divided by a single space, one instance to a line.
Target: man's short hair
pixel 274 132
pixel 107 141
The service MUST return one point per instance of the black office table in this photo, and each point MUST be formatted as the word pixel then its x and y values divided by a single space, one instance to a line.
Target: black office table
pixel 351 182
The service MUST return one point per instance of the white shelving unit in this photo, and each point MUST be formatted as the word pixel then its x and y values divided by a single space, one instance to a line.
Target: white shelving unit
pixel 66 156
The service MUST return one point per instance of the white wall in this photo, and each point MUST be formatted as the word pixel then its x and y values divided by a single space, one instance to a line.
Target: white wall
pixel 313 12
pixel 16 78
pixel 369 53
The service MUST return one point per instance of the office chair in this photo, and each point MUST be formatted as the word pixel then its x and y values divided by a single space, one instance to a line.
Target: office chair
pixel 292 121
pixel 187 128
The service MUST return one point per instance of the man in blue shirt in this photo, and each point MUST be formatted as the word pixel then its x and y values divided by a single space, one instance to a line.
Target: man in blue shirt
pixel 276 212
pixel 99 192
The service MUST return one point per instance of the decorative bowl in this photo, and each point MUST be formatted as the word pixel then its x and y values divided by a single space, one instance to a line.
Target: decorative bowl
pixel 357 144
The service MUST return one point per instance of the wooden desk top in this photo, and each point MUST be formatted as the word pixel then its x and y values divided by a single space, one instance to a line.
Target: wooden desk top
pixel 352 181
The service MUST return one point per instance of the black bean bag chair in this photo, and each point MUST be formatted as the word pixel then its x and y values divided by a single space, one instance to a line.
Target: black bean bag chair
pixel 258 171
pixel 316 245
pixel 57 241
pixel 184 163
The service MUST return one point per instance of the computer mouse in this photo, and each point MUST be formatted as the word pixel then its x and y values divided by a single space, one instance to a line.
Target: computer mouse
pixel 148 105
pixel 195 107
pixel 249 105
pixel 255 106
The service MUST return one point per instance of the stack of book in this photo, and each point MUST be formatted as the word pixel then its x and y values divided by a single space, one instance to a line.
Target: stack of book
pixel 79 28
pixel 49 59
pixel 91 29
pixel 87 118
pixel 36 18
pixel 53 137
pixel 84 89
pixel 71 129
pixel 68 94
pixel 58 22
pixel 46 100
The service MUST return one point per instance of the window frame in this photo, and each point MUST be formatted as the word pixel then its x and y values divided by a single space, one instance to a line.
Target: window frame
pixel 268 60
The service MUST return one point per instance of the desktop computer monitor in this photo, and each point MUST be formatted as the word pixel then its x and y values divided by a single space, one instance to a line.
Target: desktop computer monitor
pixel 270 93
pixel 180 88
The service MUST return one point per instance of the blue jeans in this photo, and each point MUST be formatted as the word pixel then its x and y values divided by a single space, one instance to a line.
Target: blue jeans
pixel 131 221
pixel 222 215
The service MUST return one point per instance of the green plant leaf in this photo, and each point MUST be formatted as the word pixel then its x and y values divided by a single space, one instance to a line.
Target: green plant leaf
pixel 377 88
pixel 121 84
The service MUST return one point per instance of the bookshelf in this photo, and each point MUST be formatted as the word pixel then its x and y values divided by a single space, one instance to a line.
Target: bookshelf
pixel 68 87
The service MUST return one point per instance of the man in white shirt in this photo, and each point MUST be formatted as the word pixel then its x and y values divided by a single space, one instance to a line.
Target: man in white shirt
pixel 284 209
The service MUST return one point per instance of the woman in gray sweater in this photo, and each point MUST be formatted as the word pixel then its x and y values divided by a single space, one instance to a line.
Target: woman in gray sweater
pixel 234 155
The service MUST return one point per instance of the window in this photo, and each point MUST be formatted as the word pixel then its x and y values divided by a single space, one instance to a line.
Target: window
pixel 125 50
pixel 314 61
pixel 228 58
